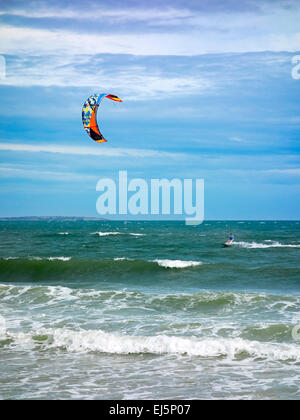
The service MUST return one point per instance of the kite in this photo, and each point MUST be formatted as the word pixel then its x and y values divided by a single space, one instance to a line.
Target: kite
pixel 89 114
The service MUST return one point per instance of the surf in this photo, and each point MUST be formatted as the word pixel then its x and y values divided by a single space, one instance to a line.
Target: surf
pixel 87 341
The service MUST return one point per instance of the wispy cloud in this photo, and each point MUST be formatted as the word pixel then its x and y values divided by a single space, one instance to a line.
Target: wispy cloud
pixel 291 171
pixel 54 53
pixel 237 139
pixel 41 174
pixel 89 151
pixel 207 15
pixel 32 41
pixel 150 31
pixel 157 15
pixel 136 81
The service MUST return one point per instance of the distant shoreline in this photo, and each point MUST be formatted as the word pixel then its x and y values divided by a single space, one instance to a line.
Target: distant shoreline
pixel 47 218
pixel 85 218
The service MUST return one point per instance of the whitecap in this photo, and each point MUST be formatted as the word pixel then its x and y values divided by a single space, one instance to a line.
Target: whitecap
pixel 59 258
pixel 106 233
pixel 177 263
pixel 38 258
pixel 100 341
pixel 2 325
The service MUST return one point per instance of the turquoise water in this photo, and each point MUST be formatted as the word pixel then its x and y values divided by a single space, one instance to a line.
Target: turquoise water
pixel 149 310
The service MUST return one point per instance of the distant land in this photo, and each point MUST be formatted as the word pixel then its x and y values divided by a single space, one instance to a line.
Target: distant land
pixel 50 218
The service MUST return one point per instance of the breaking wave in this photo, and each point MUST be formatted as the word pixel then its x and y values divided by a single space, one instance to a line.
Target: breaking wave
pixel 62 268
pixel 177 263
pixel 117 233
pixel 99 341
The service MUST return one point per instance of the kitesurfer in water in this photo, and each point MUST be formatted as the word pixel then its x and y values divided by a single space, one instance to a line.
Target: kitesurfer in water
pixel 231 237
pixel 229 240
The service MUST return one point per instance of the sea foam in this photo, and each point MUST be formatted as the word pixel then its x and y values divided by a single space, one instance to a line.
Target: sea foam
pixel 177 263
pixel 38 258
pixel 100 341
pixel 106 233
pixel 270 244
pixel 117 233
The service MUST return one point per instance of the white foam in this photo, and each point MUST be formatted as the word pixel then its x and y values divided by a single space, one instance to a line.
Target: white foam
pixel 53 293
pixel 106 233
pixel 39 258
pixel 270 244
pixel 10 258
pixel 59 258
pixel 63 233
pixel 177 263
pixel 117 233
pixel 60 293
pixel 100 341
pixel 2 326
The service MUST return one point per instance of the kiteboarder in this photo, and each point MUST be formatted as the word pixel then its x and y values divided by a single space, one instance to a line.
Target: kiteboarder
pixel 230 240
pixel 231 237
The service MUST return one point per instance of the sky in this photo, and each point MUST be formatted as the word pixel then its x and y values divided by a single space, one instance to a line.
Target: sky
pixel 210 90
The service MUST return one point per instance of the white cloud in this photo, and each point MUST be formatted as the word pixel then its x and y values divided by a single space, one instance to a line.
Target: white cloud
pixel 237 139
pixel 92 151
pixel 13 172
pixel 133 81
pixel 32 41
pixel 164 31
pixel 144 31
pixel 115 15
pixel 292 171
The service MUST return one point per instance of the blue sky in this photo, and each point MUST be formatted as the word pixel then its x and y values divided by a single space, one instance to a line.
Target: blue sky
pixel 208 93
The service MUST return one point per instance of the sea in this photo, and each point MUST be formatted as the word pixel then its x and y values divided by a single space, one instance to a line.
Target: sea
pixel 149 310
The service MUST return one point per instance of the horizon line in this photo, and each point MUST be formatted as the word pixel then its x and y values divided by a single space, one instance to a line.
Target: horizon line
pixel 94 218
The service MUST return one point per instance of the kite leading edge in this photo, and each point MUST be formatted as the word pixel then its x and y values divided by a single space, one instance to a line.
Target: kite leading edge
pixel 89 114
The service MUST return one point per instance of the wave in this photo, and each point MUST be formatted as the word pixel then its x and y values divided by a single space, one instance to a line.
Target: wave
pixel 271 332
pixel 38 258
pixel 2 326
pixel 177 263
pixel 64 268
pixel 161 262
pixel 64 233
pixel 85 341
pixel 58 258
pixel 199 302
pixel 166 263
pixel 106 233
pixel 270 244
pixel 117 233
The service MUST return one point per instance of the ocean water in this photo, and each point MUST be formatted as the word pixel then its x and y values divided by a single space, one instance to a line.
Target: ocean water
pixel 149 310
